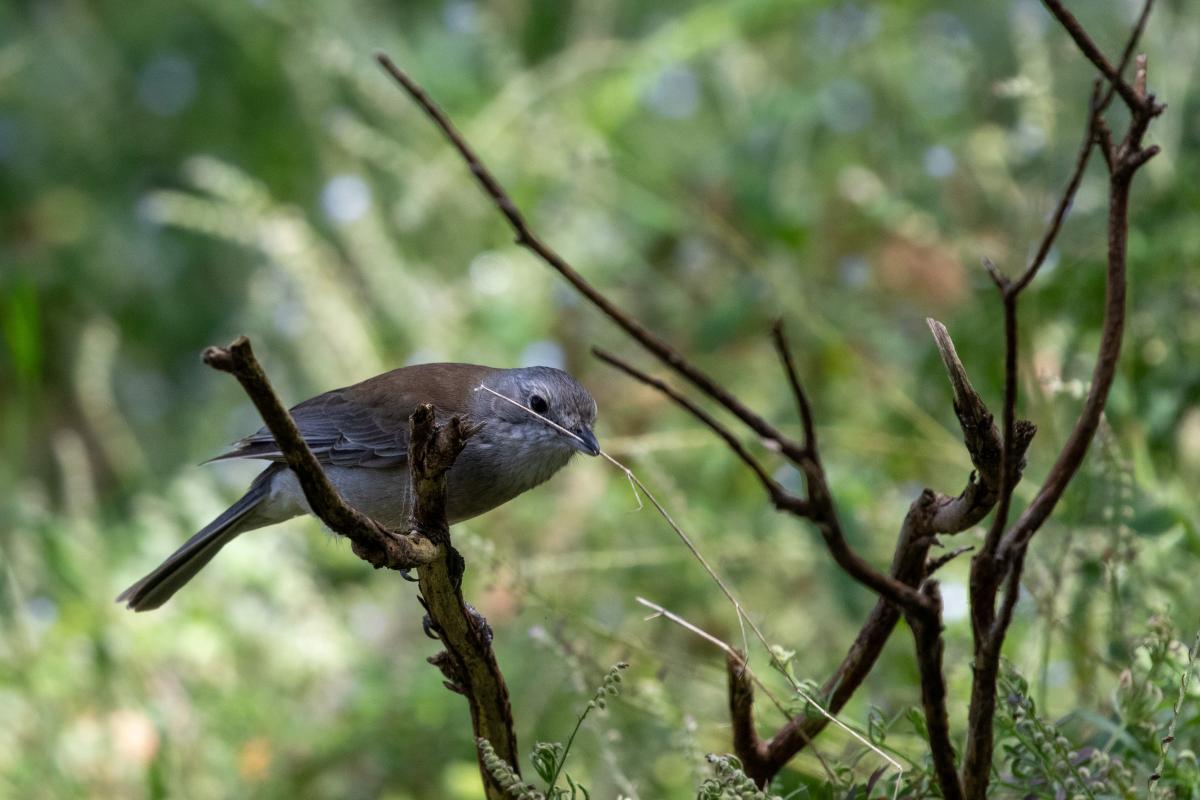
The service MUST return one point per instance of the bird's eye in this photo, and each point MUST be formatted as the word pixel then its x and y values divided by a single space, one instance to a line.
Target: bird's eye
pixel 538 403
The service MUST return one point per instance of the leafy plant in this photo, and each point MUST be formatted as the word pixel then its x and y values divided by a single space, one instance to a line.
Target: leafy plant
pixel 549 758
pixel 1037 759
pixel 729 782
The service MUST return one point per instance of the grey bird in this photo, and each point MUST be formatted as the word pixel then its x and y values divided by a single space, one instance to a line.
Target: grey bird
pixel 360 435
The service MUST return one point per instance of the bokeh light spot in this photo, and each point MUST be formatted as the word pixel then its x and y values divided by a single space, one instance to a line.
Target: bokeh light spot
pixel 345 198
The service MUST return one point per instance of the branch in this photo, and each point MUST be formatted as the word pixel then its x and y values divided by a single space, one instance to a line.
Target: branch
pixel 934 564
pixel 528 239
pixel 802 404
pixel 927 638
pixel 819 507
pixel 1002 559
pixel 782 498
pixel 746 745
pixel 371 541
pixel 1093 54
pixel 908 564
pixel 1130 47
pixel 468 661
pixel 1064 202
pixel 929 515
pixel 1128 158
pixel 1112 331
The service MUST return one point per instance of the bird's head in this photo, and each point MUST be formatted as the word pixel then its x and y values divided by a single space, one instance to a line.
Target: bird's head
pixel 564 411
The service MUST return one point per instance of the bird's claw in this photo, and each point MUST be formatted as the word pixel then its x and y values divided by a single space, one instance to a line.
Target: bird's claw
pixel 430 628
pixel 407 575
pixel 481 623
pixel 444 662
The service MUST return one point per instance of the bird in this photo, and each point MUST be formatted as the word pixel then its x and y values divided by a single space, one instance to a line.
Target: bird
pixel 360 436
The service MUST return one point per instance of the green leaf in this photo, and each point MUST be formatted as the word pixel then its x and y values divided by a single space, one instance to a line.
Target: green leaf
pixel 1156 521
pixel 917 720
pixel 545 759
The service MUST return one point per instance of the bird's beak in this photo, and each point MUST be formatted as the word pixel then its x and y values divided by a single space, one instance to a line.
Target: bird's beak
pixel 586 443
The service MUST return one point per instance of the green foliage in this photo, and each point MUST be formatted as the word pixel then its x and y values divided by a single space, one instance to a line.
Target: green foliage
pixel 1039 758
pixel 549 758
pixel 1036 758
pixel 508 780
pixel 223 167
pixel 729 782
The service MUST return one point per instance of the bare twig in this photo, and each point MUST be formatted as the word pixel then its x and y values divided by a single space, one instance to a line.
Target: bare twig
pixel 934 564
pixel 1001 560
pixel 468 662
pixel 1065 201
pixel 819 509
pixel 783 499
pixel 802 404
pixel 1127 54
pixel 526 238
pixel 372 542
pixel 927 636
pixel 1112 329
pixel 1089 49
pixel 930 514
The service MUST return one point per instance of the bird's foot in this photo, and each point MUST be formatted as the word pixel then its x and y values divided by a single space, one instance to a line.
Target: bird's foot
pixel 480 622
pixel 449 669
pixel 431 628
pixel 456 565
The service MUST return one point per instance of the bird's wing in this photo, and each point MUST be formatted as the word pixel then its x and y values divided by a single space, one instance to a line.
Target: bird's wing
pixel 366 425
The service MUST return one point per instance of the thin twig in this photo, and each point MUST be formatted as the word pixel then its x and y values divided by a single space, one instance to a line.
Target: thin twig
pixel 802 404
pixel 1092 52
pixel 929 514
pixel 1001 561
pixel 372 542
pixel 1065 201
pixel 468 661
pixel 934 564
pixel 1127 54
pixel 735 655
pixel 528 239
pixel 819 509
pixel 783 499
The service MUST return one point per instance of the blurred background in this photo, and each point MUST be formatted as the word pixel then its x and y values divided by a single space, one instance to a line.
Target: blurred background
pixel 175 175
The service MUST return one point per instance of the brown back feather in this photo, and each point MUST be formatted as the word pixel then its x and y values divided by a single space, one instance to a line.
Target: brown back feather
pixel 366 425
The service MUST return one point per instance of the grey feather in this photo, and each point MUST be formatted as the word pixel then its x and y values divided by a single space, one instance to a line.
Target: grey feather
pixel 182 565
pixel 360 434
pixel 366 425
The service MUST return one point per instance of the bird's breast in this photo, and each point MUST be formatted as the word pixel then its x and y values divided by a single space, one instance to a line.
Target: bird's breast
pixel 485 475
pixel 489 473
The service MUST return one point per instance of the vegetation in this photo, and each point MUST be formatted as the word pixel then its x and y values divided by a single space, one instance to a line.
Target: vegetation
pixel 173 180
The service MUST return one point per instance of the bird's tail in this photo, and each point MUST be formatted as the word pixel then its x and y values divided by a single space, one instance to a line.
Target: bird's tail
pixel 182 565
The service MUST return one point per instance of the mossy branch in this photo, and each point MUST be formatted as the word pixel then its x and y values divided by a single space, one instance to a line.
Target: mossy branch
pixel 468 661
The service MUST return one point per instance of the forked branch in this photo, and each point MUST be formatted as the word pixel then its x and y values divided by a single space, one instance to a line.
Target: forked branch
pixel 468 661
pixel 998 455
pixel 1000 563
pixel 525 237
pixel 372 541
